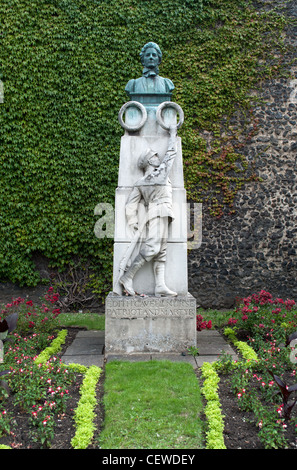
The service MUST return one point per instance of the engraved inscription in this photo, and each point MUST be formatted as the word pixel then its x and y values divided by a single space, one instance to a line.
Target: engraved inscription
pixel 132 307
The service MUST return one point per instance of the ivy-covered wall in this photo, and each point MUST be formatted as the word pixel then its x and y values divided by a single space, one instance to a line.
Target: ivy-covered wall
pixel 64 66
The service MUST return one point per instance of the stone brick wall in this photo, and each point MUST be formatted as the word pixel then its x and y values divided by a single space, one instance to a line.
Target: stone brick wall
pixel 257 247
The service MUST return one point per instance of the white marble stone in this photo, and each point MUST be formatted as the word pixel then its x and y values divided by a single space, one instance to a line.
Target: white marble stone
pixel 133 146
pixel 135 324
pixel 176 269
pixel 177 228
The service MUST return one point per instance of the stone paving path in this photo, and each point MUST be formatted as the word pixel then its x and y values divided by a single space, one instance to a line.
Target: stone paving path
pixel 88 349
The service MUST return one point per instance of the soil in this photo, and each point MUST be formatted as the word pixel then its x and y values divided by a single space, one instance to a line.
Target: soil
pixel 239 431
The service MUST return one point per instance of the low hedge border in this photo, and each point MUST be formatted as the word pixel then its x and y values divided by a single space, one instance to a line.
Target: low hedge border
pixel 214 435
pixel 53 348
pixel 84 413
pixel 246 351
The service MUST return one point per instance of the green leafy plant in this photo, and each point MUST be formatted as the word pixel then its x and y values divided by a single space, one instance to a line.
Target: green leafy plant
pixel 55 346
pixel 247 351
pixel 5 419
pixel 224 363
pixel 215 419
pixel 84 413
pixel 4 388
pixel 193 351
pixel 286 392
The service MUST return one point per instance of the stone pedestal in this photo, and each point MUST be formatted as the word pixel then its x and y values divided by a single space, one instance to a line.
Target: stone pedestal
pixel 144 323
pixel 149 324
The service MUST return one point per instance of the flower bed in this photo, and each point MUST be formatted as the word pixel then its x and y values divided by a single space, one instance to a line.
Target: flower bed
pixel 263 382
pixel 39 395
pixel 249 403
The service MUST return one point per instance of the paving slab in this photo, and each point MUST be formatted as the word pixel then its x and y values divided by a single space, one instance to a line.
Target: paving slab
pixel 85 360
pixel 211 343
pixel 88 349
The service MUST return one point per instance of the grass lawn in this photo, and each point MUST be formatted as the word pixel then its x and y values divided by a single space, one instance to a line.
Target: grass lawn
pixel 148 405
pixel 218 318
pixel 152 405
pixel 91 321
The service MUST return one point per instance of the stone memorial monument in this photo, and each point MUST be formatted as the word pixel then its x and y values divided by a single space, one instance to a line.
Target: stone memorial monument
pixel 150 309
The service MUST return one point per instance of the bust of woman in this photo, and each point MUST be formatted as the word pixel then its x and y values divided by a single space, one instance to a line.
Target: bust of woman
pixel 150 82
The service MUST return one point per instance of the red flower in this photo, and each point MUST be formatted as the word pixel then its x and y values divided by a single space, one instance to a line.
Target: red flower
pixel 202 324
pixel 277 310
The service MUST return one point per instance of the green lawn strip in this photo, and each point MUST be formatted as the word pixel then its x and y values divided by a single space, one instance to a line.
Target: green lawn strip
pixel 91 321
pixel 151 405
